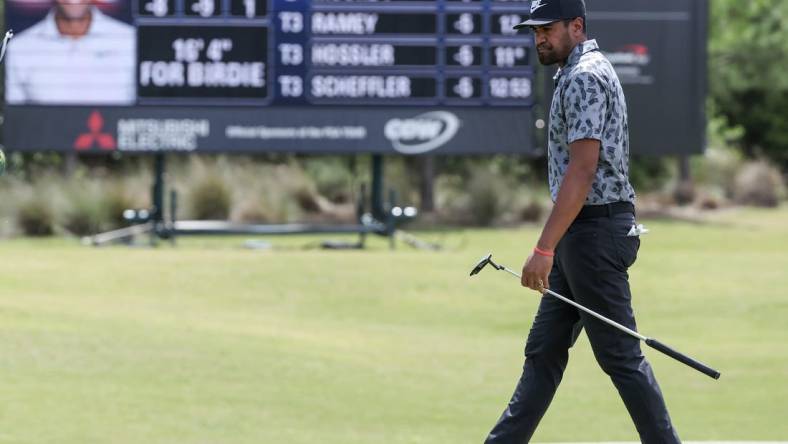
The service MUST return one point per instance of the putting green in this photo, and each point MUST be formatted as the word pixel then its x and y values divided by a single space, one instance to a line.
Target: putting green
pixel 210 342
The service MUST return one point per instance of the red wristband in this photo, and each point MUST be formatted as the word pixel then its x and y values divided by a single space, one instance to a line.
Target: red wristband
pixel 541 252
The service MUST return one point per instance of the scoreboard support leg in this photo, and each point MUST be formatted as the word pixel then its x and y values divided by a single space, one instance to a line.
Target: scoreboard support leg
pixel 160 231
pixel 684 193
pixel 426 167
pixel 376 195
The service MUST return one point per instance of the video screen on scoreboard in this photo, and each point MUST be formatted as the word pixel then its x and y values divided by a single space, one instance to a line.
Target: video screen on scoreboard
pixel 268 52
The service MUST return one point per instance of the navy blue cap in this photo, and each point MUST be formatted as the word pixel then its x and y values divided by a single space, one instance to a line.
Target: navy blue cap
pixel 549 11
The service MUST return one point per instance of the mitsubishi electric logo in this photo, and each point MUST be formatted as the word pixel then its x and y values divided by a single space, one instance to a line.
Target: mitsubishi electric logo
pixel 423 133
pixel 536 4
pixel 95 135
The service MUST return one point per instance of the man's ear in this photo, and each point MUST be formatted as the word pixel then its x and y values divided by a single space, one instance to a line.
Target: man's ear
pixel 577 26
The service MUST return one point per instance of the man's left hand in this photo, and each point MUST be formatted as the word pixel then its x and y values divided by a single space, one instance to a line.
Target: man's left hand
pixel 536 271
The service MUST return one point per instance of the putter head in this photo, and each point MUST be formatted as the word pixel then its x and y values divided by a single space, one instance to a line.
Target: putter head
pixel 482 263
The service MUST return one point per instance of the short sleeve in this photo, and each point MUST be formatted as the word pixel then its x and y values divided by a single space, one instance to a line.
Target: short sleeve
pixel 14 90
pixel 585 106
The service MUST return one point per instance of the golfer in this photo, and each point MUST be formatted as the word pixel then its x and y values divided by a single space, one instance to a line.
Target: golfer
pixel 75 55
pixel 590 238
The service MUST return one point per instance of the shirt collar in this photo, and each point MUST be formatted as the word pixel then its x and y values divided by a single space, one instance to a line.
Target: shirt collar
pixel 578 51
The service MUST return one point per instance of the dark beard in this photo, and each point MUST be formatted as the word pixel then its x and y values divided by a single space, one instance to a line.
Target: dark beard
pixel 548 58
pixel 555 54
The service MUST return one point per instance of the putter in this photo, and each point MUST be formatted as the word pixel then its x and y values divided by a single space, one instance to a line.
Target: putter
pixel 653 343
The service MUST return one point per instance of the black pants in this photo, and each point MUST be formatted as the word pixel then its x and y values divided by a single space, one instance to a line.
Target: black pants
pixel 590 267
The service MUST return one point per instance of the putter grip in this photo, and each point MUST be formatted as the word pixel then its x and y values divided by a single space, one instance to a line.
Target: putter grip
pixel 653 343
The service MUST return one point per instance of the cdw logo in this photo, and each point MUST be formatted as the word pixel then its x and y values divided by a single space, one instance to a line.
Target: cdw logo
pixel 422 133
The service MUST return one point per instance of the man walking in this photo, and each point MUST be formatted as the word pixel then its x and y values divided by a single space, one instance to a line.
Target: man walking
pixel 589 240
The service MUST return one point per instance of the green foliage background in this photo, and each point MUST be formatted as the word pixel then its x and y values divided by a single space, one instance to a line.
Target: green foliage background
pixel 748 72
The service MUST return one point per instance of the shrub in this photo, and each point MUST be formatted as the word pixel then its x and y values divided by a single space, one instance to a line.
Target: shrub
pixel 263 193
pixel 684 192
pixel 710 199
pixel 35 217
pixel 451 200
pixel 758 184
pixel 307 200
pixel 488 198
pixel 210 199
pixel 85 215
pixel 88 205
pixel 251 211
pixel 717 168
pixel 533 211
pixel 649 173
pixel 331 175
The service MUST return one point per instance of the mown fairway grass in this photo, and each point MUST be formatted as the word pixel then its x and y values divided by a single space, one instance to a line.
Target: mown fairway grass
pixel 212 343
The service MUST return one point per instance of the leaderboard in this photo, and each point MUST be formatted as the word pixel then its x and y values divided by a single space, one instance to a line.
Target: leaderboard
pixel 333 52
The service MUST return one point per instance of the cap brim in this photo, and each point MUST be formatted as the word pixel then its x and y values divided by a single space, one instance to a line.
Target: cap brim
pixel 532 22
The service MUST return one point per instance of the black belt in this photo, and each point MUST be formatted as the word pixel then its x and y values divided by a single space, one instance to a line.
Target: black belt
pixel 606 210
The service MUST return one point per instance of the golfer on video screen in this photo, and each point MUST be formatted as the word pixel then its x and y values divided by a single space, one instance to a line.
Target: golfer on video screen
pixel 75 55
pixel 590 238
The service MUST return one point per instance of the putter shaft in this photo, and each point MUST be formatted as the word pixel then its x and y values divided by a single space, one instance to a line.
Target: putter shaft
pixel 651 342
pixel 591 312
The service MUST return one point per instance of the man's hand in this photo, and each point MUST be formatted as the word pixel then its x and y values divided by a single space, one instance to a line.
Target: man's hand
pixel 536 271
pixel 580 175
